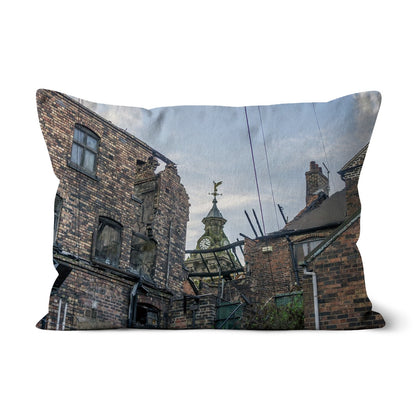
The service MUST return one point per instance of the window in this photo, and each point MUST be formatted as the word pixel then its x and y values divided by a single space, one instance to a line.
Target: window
pixel 84 149
pixel 57 216
pixel 142 255
pixel 108 242
pixel 302 249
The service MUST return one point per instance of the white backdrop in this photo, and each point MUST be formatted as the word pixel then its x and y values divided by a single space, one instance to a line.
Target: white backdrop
pixel 159 53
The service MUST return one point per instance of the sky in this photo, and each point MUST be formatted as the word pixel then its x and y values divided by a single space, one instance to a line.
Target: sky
pixel 210 143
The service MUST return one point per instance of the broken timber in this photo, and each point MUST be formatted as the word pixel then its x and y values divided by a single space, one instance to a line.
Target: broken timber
pixel 237 268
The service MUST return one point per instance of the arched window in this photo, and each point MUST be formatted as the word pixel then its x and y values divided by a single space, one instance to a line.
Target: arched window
pixel 84 149
pixel 108 241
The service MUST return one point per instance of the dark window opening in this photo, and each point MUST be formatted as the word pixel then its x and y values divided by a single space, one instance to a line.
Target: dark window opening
pixel 108 242
pixel 84 149
pixel 147 316
pixel 143 255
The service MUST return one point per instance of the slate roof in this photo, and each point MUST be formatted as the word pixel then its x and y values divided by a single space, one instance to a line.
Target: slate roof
pixel 320 212
pixel 214 212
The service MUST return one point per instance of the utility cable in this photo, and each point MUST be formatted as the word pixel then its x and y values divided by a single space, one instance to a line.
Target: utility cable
pixel 323 143
pixel 268 169
pixel 255 170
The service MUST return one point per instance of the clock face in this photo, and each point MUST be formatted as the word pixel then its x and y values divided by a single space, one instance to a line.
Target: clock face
pixel 204 243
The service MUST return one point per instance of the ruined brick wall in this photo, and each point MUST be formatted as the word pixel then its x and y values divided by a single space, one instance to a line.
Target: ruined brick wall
pixel 109 192
pixel 343 301
pixel 271 272
pixel 169 230
pixel 193 312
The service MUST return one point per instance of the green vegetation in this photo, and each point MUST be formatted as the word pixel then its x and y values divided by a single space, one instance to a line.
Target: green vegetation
pixel 272 317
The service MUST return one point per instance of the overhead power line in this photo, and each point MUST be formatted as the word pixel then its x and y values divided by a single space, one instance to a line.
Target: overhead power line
pixel 254 167
pixel 268 169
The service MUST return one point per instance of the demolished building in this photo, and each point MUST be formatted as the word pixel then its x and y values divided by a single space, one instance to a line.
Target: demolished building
pixel 120 227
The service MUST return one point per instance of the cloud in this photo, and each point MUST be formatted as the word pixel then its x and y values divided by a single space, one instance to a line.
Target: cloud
pixel 212 143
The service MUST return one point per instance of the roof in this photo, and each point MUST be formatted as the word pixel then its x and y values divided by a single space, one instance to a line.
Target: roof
pixel 331 210
pixel 214 211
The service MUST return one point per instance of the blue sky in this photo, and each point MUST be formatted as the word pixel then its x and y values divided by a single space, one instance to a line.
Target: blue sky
pixel 211 143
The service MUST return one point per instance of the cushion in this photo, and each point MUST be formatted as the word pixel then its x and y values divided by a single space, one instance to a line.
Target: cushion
pixel 208 217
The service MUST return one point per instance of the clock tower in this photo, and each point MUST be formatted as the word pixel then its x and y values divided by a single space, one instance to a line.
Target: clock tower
pixel 213 237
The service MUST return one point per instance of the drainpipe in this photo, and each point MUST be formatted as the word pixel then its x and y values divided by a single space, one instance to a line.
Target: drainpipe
pixel 132 306
pixel 59 314
pixel 168 259
pixel 315 296
pixel 64 318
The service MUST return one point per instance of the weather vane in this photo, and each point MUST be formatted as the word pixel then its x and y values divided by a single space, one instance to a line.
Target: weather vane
pixel 216 185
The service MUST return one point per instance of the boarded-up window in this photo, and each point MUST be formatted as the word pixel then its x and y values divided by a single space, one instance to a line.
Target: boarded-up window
pixel 145 191
pixel 142 255
pixel 108 242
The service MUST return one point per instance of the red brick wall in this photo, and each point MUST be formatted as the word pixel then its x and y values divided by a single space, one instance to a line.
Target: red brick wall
pixel 268 273
pixel 351 195
pixel 194 312
pixel 271 273
pixel 343 301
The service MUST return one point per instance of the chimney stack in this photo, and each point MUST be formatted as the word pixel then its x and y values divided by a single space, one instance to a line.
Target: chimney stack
pixel 315 181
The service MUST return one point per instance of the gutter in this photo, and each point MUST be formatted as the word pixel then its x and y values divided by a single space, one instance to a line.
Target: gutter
pixel 168 259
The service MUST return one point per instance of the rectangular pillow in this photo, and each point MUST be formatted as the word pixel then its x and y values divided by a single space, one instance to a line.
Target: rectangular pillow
pixel 275 188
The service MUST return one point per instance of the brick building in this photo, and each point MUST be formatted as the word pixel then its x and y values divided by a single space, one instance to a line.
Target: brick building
pixel 335 268
pixel 120 232
pixel 120 227
pixel 320 242
pixel 272 261
pixel 317 248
